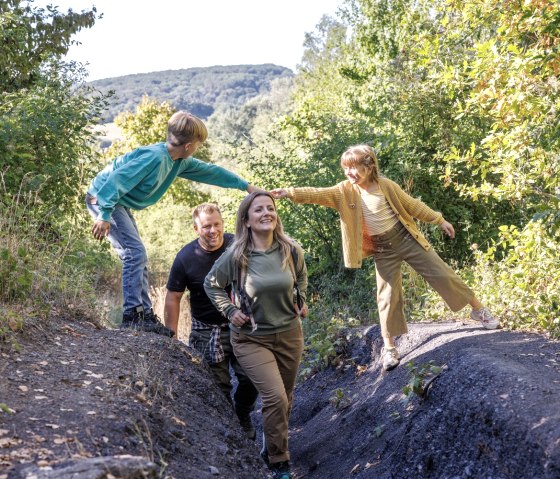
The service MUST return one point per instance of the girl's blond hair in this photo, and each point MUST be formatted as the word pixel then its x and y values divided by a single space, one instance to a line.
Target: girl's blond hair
pixel 361 155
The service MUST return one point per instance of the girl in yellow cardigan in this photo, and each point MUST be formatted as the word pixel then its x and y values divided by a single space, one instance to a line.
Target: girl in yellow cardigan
pixel 377 218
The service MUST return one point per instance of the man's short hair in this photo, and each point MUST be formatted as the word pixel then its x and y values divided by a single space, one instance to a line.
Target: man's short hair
pixel 207 208
pixel 183 128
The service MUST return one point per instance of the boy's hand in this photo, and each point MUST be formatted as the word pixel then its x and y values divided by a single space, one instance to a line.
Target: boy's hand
pixel 279 193
pixel 253 189
pixel 100 229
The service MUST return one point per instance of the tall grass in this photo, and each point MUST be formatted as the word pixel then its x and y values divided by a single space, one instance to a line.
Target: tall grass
pixel 45 265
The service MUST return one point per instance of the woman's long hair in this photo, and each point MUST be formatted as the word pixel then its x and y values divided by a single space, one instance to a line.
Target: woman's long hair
pixel 243 243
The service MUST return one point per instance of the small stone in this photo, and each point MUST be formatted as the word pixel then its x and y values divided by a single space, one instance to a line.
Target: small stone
pixel 214 471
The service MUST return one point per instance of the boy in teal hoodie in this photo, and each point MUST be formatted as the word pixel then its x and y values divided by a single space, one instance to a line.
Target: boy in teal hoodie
pixel 135 181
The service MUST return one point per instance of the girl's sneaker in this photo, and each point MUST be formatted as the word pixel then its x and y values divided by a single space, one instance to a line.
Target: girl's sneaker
pixel 485 317
pixel 391 358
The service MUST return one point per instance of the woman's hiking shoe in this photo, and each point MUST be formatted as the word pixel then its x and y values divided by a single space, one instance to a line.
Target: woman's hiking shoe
pixel 485 317
pixel 147 322
pixel 281 470
pixel 390 358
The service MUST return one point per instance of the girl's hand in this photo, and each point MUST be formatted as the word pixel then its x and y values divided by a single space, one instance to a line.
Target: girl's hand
pixel 303 311
pixel 279 193
pixel 448 229
pixel 238 319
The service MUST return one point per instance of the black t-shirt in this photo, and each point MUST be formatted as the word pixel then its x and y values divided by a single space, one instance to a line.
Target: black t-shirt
pixel 189 269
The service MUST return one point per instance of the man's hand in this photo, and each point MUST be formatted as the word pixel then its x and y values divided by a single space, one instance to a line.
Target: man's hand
pixel 100 229
pixel 253 189
pixel 279 193
pixel 448 229
pixel 238 318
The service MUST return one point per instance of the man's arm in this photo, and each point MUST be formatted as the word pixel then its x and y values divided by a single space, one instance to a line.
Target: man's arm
pixel 172 309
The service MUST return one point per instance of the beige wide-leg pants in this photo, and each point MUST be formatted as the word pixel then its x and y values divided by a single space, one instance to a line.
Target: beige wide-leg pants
pixel 391 249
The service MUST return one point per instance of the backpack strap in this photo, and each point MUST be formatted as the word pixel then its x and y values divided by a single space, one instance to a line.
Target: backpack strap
pixel 295 273
pixel 244 302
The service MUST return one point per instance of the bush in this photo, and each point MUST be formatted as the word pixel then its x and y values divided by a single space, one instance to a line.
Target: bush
pixel 524 287
pixel 44 267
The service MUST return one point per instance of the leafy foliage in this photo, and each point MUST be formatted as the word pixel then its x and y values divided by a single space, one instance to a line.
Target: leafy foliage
pixel 33 38
pixel 45 111
pixel 459 99
pixel 42 270
pixel 420 378
pixel 524 286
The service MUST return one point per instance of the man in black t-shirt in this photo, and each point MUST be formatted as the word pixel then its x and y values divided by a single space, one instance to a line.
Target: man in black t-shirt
pixel 210 334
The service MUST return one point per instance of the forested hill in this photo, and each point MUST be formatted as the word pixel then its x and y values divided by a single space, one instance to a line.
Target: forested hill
pixel 198 90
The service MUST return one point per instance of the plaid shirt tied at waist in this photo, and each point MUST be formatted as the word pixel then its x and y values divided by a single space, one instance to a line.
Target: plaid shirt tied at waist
pixel 215 344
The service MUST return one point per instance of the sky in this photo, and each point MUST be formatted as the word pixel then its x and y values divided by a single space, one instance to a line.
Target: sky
pixel 136 36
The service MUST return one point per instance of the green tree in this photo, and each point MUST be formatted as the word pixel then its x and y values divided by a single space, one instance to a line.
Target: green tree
pixel 33 38
pixel 46 151
pixel 460 100
pixel 45 109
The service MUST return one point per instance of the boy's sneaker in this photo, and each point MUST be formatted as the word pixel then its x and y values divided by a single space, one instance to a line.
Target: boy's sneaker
pixel 248 427
pixel 391 358
pixel 131 318
pixel 485 317
pixel 281 470
pixel 138 320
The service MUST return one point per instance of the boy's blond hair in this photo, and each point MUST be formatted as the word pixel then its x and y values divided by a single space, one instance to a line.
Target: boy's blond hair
pixel 183 128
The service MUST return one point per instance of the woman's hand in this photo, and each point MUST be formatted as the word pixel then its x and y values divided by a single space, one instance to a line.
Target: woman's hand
pixel 448 229
pixel 238 318
pixel 279 193
pixel 303 311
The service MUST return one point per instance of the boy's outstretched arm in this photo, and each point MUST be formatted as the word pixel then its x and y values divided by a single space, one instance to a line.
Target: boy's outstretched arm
pixel 253 189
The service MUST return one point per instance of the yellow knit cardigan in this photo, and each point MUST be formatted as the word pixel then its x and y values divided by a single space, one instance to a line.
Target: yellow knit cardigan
pixel 345 198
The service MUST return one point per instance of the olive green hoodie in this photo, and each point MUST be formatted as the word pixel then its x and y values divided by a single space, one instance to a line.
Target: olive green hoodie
pixel 269 287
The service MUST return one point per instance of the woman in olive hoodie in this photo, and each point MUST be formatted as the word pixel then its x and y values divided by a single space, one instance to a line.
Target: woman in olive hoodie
pixel 266 333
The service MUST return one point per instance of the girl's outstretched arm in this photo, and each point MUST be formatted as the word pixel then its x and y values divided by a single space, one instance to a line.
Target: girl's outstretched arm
pixel 330 196
pixel 279 193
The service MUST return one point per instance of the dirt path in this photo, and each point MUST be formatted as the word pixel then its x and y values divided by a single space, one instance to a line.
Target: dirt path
pixel 492 413
pixel 78 392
